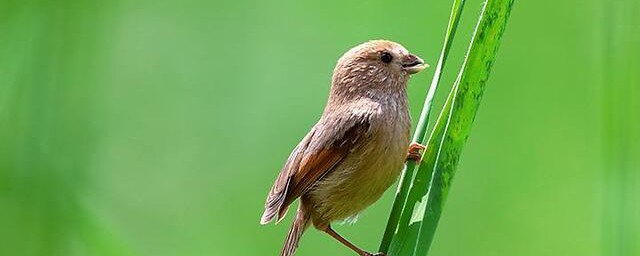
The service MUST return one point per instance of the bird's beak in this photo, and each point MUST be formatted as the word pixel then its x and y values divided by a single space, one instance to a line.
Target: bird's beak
pixel 413 64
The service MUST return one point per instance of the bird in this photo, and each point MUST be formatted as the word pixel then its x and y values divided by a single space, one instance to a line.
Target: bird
pixel 356 150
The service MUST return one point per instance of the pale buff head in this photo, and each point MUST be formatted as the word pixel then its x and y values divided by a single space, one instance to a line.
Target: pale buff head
pixel 375 65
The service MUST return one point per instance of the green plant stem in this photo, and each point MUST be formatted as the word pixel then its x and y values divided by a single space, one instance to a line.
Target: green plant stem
pixel 421 129
pixel 428 191
pixel 454 124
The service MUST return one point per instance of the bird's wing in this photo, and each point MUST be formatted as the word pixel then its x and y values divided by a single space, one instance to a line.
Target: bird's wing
pixel 323 148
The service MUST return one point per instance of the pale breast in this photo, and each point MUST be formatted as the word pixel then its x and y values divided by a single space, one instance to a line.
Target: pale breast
pixel 368 171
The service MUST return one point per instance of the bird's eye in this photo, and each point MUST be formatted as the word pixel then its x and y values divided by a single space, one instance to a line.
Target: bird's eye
pixel 386 57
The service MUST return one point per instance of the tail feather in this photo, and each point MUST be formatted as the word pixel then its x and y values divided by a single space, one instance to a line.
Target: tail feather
pixel 300 223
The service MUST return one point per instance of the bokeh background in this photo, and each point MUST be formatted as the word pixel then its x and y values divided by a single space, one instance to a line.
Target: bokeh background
pixel 139 127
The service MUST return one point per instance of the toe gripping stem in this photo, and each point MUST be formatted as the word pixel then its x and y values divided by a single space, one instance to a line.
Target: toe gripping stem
pixel 416 152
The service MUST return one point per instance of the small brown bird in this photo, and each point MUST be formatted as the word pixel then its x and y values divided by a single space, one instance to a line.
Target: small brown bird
pixel 357 148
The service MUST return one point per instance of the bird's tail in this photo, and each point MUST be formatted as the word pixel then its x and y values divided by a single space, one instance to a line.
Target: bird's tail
pixel 300 223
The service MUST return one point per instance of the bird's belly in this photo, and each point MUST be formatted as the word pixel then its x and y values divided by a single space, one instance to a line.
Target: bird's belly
pixel 358 181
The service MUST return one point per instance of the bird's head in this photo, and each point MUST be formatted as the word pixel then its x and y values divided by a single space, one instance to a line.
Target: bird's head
pixel 378 63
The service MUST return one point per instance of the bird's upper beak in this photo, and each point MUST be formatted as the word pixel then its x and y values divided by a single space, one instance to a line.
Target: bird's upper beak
pixel 413 64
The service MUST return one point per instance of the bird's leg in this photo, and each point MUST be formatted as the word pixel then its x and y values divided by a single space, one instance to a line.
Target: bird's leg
pixel 416 150
pixel 346 242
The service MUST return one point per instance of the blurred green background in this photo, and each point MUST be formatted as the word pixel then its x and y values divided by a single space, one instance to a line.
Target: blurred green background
pixel 144 127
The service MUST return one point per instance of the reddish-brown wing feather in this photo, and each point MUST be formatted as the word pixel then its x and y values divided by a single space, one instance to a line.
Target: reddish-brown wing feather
pixel 307 165
pixel 276 196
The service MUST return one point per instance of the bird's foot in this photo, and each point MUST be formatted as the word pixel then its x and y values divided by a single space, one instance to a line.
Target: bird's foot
pixel 416 151
pixel 375 254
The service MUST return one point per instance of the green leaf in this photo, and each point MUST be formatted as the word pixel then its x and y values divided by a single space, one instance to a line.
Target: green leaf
pixel 420 133
pixel 430 186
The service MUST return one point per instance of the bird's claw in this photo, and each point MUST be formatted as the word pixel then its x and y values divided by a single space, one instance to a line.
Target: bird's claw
pixel 415 152
pixel 375 254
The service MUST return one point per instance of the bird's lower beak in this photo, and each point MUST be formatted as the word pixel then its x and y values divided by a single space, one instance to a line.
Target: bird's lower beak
pixel 413 64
